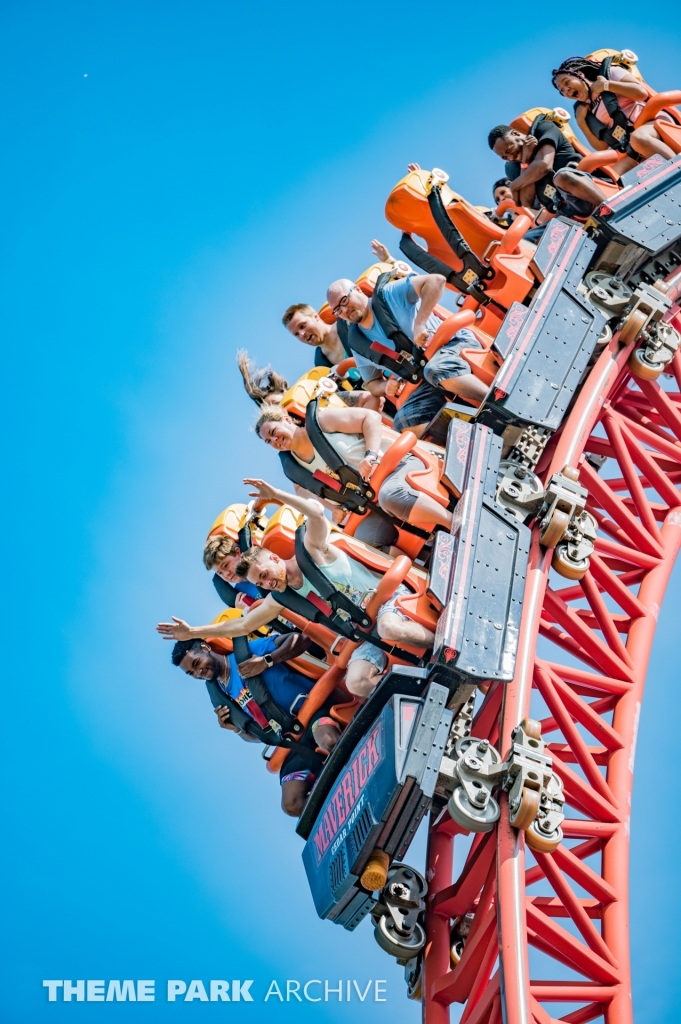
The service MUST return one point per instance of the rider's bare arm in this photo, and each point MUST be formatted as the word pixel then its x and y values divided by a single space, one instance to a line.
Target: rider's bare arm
pixel 429 288
pixel 353 421
pixel 317 524
pixel 266 612
pixel 536 169
pixel 627 86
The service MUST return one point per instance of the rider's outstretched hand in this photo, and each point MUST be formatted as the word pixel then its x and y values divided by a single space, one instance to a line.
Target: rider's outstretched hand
pixel 413 167
pixel 265 492
pixel 178 629
pixel 380 251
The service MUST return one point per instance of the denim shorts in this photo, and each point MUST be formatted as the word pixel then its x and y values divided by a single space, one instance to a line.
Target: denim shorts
pixel 429 399
pixel 367 651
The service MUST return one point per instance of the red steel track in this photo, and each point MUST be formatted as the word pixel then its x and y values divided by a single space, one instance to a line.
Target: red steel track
pixel 581 668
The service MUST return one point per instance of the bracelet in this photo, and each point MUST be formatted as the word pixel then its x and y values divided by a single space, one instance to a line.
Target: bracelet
pixel 369 453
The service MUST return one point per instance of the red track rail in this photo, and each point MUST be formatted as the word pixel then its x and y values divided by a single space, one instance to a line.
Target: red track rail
pixel 567 947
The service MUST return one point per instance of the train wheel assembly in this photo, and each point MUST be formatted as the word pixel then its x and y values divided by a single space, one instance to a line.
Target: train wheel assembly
pixel 546 900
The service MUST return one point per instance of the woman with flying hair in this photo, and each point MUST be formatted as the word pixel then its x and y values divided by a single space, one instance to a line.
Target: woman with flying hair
pixel 267 387
pixel 607 100
pixel 263 384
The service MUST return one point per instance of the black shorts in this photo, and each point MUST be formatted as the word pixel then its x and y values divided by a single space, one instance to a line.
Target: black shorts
pixel 304 763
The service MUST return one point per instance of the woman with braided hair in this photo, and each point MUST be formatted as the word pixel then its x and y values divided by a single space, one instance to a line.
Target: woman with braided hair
pixel 607 100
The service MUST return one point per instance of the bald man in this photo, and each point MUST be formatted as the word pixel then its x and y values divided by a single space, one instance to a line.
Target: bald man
pixel 411 301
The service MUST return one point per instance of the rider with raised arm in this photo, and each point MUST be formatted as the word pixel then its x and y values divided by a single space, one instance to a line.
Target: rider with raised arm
pixel 411 301
pixel 606 107
pixel 358 437
pixel 286 687
pixel 304 323
pixel 272 573
pixel 550 176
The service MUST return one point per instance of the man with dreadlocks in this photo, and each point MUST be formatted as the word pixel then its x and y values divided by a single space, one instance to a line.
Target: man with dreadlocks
pixel 607 100
pixel 550 176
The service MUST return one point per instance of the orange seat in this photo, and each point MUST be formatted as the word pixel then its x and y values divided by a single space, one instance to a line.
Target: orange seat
pixel 279 535
pixel 416 606
pixel 407 209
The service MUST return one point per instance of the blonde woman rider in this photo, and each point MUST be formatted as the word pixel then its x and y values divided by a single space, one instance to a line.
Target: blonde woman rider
pixel 357 435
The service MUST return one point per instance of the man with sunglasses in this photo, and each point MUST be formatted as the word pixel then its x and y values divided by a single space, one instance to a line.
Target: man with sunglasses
pixel 411 300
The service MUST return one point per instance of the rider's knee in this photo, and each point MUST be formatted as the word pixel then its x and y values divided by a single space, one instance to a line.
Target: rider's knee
pixel 293 800
pixel 566 180
pixel 390 627
pixel 361 678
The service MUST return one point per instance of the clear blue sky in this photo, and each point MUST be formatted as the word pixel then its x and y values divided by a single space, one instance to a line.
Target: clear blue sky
pixel 174 175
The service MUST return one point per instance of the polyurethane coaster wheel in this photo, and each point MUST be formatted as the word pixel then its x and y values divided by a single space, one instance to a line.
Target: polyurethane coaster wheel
pixel 532 728
pixel 543 842
pixel 456 952
pixel 400 946
pixel 523 816
pixel 473 819
pixel 641 368
pixel 566 566
pixel 633 326
pixel 555 529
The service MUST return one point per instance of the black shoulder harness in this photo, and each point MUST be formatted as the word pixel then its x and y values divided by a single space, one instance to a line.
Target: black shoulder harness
pixel 279 719
pixel 243 721
pixel 407 360
pixel 334 610
pixel 616 135
pixel 474 271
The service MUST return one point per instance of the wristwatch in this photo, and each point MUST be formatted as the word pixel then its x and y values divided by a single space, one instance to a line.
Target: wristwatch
pixel 267 658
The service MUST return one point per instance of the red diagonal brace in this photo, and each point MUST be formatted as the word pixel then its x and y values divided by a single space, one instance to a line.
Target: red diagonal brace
pixel 601 495
pixel 569 950
pixel 585 637
pixel 457 899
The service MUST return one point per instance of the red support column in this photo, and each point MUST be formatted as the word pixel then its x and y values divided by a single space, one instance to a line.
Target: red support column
pixel 621 768
pixel 436 963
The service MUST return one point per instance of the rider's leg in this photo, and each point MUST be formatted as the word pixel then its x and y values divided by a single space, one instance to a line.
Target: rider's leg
pixel 326 734
pixel 397 629
pixel 294 794
pixel 646 141
pixel 422 406
pixel 580 185
pixel 363 400
pixel 426 510
pixel 365 669
pixel 450 372
pixel 466 385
